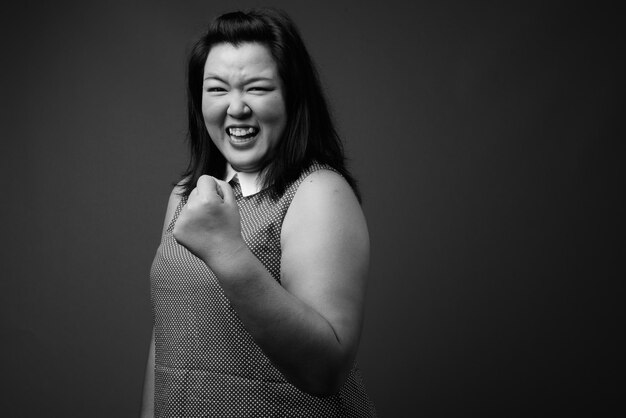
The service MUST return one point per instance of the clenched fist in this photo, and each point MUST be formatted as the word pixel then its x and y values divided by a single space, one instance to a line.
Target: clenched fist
pixel 209 224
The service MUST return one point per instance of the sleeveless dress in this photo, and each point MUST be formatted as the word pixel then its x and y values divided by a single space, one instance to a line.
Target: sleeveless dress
pixel 206 363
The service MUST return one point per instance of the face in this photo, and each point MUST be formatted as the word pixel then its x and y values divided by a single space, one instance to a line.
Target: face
pixel 243 104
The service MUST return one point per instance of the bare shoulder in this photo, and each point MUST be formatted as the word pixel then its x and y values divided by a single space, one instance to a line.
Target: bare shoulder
pixel 172 203
pixel 324 194
pixel 322 182
pixel 325 210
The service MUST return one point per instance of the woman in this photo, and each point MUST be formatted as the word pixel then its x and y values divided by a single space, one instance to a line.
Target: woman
pixel 259 282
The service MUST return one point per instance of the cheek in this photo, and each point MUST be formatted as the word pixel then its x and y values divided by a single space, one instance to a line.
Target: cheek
pixel 274 113
pixel 212 112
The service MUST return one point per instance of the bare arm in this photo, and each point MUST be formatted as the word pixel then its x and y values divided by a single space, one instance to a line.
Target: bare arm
pixel 309 327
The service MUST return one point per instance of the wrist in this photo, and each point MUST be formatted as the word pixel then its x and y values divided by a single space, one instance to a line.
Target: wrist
pixel 225 254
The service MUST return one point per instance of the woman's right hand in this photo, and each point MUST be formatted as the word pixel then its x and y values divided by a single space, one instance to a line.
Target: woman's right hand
pixel 209 225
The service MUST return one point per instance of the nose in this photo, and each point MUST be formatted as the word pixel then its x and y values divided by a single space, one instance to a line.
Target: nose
pixel 237 108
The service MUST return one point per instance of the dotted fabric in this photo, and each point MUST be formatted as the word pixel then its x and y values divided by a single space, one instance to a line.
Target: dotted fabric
pixel 206 363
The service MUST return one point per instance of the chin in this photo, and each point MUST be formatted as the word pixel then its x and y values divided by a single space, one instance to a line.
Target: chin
pixel 245 166
pixel 251 162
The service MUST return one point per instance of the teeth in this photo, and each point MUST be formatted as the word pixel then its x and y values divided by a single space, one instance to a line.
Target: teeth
pixel 241 131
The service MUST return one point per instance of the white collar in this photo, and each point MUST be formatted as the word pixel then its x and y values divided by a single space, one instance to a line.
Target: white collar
pixel 249 182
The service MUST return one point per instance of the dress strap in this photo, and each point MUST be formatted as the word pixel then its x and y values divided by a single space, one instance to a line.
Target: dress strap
pixel 179 207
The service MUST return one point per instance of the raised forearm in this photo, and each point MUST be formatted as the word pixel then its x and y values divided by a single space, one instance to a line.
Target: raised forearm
pixel 296 338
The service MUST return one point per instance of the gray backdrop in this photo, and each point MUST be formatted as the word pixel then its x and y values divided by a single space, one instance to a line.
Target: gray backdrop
pixel 485 138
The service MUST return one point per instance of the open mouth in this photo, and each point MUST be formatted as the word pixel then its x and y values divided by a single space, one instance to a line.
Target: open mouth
pixel 240 133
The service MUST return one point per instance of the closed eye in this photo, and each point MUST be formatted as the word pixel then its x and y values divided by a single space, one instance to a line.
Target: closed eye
pixel 259 89
pixel 215 89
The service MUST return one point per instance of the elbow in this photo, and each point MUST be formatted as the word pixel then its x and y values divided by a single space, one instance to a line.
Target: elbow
pixel 323 381
pixel 322 374
pixel 326 390
pixel 323 389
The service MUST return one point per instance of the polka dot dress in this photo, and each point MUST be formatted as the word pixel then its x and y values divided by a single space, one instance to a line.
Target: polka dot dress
pixel 206 363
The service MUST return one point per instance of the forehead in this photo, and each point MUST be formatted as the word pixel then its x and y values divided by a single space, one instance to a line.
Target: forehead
pixel 246 59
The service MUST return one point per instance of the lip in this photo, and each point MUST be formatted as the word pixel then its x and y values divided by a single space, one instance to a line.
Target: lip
pixel 240 125
pixel 242 142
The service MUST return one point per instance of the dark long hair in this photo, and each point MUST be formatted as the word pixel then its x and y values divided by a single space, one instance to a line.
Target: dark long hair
pixel 309 133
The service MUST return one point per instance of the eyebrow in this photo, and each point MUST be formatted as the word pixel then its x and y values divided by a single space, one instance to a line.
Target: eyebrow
pixel 247 81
